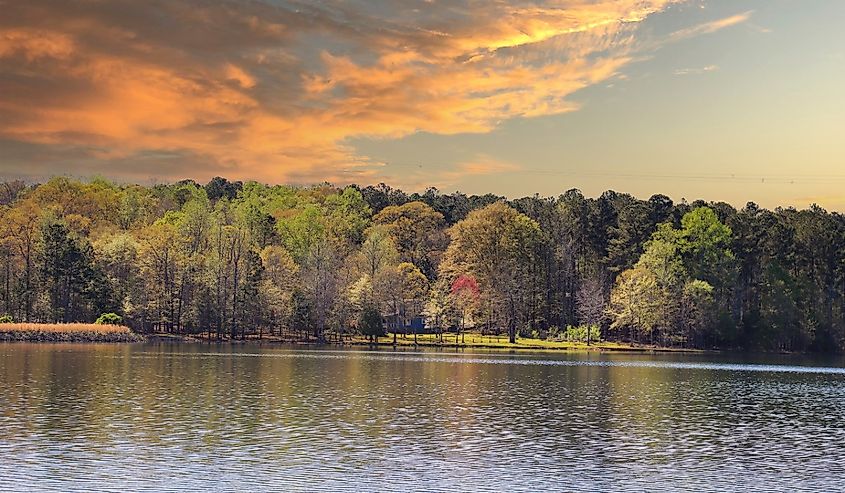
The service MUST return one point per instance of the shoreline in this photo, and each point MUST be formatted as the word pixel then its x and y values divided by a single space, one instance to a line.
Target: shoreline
pixel 67 332
pixel 387 342
pixel 81 338
pixel 535 345
pixel 384 342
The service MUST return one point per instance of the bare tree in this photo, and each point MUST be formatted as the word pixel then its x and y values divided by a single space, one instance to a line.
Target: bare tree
pixel 590 303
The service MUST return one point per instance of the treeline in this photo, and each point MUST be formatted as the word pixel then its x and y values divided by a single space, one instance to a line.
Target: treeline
pixel 233 259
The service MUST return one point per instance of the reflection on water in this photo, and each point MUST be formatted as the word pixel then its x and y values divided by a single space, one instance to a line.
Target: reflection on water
pixel 193 417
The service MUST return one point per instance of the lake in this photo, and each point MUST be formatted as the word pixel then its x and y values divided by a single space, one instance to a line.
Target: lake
pixel 159 417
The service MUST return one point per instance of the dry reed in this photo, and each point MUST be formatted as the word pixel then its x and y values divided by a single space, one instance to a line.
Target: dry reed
pixel 73 332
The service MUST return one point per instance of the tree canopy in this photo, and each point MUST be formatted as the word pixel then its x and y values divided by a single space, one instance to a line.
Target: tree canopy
pixel 231 259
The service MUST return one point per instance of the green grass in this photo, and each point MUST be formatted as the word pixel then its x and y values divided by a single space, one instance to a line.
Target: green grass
pixel 470 340
pixel 475 340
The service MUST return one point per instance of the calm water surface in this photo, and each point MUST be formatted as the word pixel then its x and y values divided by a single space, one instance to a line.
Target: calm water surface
pixel 222 418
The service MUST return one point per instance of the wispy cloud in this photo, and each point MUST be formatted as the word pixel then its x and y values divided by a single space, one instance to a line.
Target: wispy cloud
pixel 276 90
pixel 696 70
pixel 711 26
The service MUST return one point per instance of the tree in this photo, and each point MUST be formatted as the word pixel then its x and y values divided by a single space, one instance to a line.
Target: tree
pixel 301 314
pixel 704 242
pixel 414 286
pixel 10 191
pixel 465 295
pixel 69 276
pixel 592 303
pixel 161 264
pixel 235 258
pixel 320 274
pixel 635 301
pixel 347 215
pixel 387 293
pixel 252 300
pixel 21 232
pixel 299 230
pixel 280 277
pixel 418 232
pixel 378 252
pixel 370 324
pixel 118 256
pixel 220 188
pixel 661 293
pixel 438 307
pixel 629 232
pixel 697 308
pixel 496 245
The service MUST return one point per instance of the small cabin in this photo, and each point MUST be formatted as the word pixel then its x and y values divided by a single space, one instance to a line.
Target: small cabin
pixel 414 325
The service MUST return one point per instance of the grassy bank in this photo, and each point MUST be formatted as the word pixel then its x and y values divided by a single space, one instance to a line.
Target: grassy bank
pixel 31 332
pixel 467 341
pixel 479 341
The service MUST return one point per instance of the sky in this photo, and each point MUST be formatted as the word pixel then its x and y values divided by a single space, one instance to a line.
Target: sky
pixel 733 100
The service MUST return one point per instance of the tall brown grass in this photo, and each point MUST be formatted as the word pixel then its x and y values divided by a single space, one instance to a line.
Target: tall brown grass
pixel 75 332
pixel 65 328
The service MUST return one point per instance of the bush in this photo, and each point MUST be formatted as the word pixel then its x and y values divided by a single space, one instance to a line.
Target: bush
pixel 6 319
pixel 579 333
pixel 526 331
pixel 109 319
pixel 370 322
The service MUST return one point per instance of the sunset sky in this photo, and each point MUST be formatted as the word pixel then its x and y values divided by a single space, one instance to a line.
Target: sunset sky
pixel 730 100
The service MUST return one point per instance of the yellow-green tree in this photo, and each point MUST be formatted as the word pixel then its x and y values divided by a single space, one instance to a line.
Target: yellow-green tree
pixel 496 245
pixel 419 233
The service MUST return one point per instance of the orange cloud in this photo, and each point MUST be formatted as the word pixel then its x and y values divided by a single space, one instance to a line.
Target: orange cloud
pixel 276 91
pixel 34 44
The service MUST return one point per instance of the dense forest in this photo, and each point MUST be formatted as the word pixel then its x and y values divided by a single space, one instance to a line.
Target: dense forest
pixel 234 259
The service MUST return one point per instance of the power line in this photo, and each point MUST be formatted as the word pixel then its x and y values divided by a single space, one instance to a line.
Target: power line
pixel 763 179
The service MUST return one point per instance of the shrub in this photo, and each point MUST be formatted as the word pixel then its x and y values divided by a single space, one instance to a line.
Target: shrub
pixel 370 322
pixel 6 319
pixel 579 333
pixel 527 331
pixel 109 319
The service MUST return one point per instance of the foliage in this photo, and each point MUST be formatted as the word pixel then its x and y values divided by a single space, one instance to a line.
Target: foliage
pixel 370 323
pixel 418 233
pixel 109 319
pixel 237 260
pixel 660 297
pixel 580 333
pixel 495 245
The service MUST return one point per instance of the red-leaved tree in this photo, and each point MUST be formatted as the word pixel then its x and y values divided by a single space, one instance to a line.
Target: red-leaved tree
pixel 465 293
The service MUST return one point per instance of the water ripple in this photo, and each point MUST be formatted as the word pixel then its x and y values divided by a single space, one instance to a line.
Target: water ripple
pixel 183 418
pixel 471 358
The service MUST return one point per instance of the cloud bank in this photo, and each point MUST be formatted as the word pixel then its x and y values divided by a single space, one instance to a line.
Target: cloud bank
pixel 275 90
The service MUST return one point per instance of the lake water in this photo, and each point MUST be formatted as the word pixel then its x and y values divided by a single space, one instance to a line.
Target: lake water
pixel 150 417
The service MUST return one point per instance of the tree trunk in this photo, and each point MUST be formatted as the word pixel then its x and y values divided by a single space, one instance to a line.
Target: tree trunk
pixel 512 324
